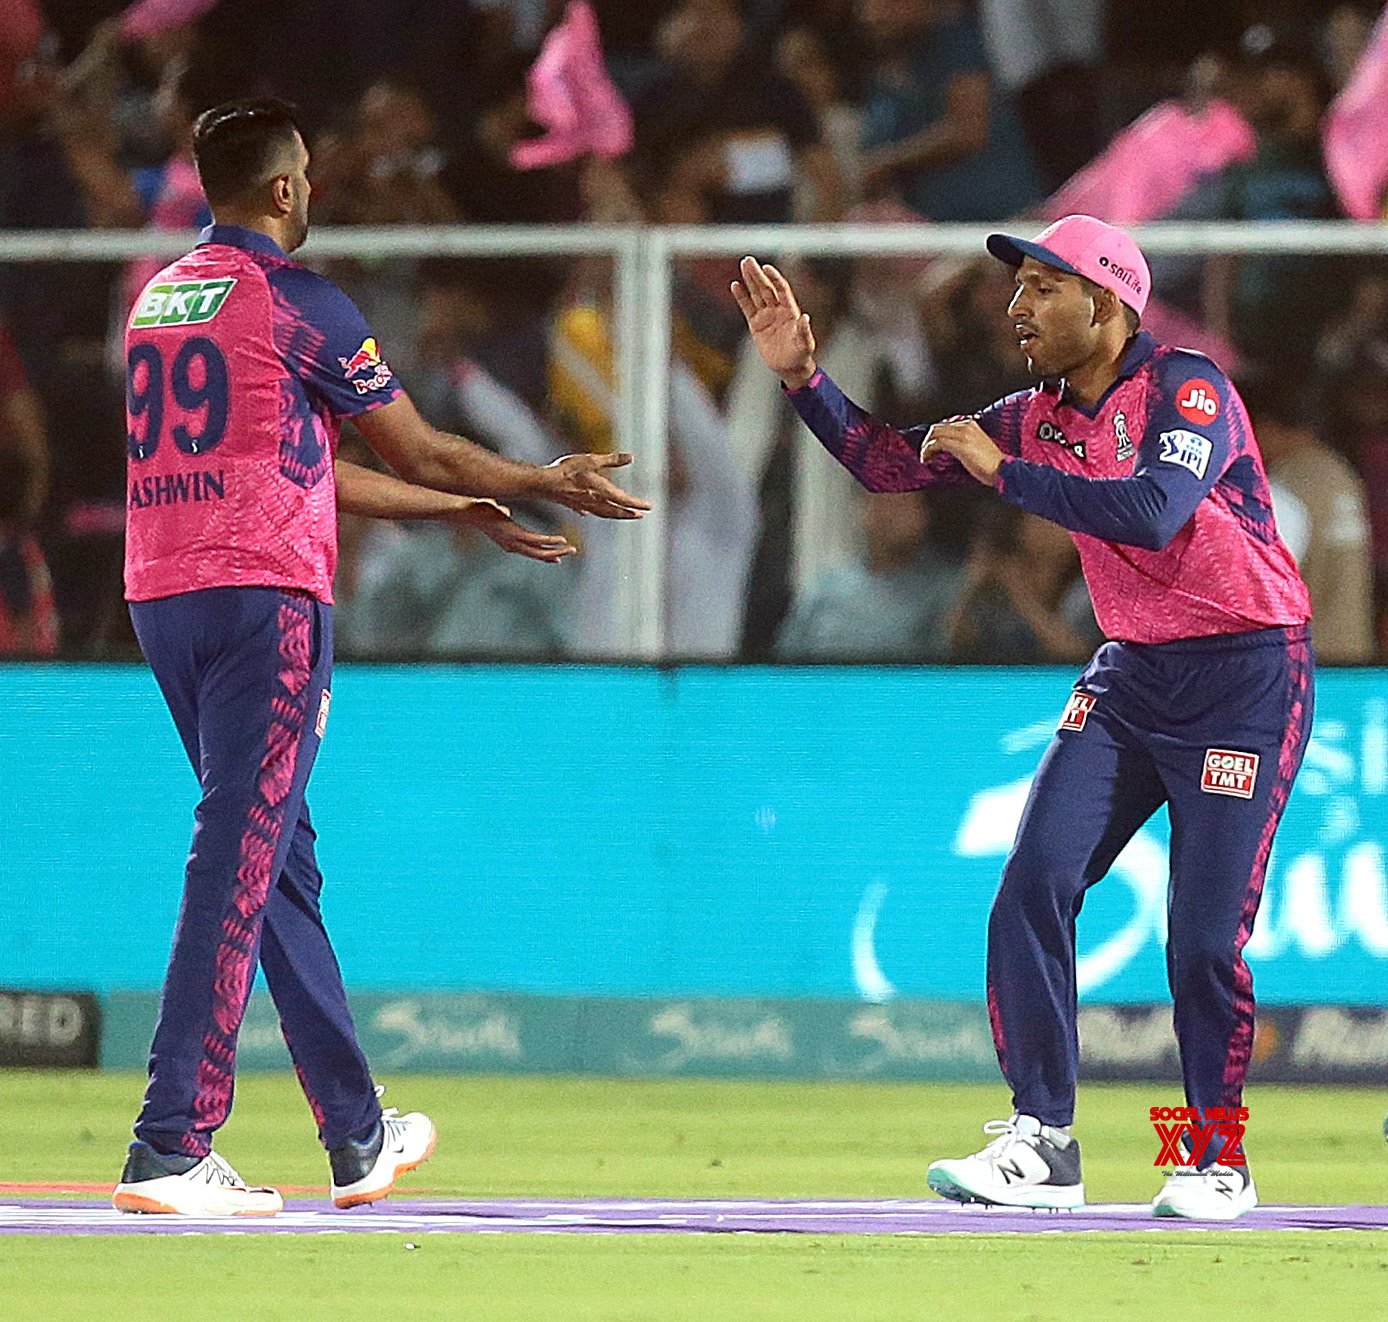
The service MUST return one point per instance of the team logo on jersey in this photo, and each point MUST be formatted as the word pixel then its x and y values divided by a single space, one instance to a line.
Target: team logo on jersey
pixel 1187 449
pixel 1077 710
pixel 186 303
pixel 1049 432
pixel 366 359
pixel 321 723
pixel 1228 772
pixel 1197 401
pixel 1120 430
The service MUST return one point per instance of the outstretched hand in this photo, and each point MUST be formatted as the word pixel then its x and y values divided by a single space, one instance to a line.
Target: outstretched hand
pixel 779 329
pixel 577 481
pixel 496 522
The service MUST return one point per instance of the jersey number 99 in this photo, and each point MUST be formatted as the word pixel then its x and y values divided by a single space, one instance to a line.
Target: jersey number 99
pixel 197 381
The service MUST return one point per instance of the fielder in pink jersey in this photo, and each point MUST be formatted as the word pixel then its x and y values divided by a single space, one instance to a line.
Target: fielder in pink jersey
pixel 1202 701
pixel 241 366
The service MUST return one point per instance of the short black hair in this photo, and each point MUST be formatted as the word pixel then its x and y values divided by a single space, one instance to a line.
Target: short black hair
pixel 235 143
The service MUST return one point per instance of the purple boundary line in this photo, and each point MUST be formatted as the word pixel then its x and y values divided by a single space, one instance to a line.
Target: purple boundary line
pixel 669 1216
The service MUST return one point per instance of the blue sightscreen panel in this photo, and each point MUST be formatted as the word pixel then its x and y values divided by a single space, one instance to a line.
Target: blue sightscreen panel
pixel 825 832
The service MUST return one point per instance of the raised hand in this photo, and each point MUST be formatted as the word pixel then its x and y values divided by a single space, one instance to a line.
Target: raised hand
pixel 577 481
pixel 496 522
pixel 779 329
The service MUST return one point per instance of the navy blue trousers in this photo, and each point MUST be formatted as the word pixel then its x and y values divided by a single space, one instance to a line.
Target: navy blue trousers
pixel 245 673
pixel 1215 729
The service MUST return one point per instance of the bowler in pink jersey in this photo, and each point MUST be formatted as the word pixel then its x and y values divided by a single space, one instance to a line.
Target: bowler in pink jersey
pixel 241 365
pixel 1201 702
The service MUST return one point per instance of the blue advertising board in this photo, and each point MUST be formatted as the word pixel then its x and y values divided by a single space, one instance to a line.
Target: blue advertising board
pixel 696 831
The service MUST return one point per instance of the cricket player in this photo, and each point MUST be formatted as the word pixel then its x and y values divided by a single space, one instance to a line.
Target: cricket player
pixel 241 365
pixel 1202 701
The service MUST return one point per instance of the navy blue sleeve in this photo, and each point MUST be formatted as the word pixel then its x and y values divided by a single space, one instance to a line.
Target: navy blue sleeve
pixel 880 456
pixel 327 344
pixel 1182 454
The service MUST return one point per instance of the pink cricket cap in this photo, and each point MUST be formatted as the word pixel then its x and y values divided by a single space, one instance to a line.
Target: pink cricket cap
pixel 1084 245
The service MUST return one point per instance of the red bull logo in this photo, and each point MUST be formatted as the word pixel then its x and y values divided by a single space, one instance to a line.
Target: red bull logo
pixel 369 355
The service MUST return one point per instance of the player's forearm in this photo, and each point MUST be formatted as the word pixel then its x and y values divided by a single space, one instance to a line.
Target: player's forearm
pixel 384 496
pixel 453 464
pixel 878 455
pixel 1133 511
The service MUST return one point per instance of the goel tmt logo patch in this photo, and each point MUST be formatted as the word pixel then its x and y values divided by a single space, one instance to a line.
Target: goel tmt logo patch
pixel 1229 772
pixel 1188 1133
pixel 1077 710
pixel 188 303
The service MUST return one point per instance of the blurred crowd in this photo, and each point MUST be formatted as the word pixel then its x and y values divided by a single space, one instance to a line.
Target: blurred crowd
pixel 430 112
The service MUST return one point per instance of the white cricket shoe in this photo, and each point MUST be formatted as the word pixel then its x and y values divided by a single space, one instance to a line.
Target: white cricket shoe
pixel 188 1186
pixel 1027 1165
pixel 1217 1193
pixel 366 1172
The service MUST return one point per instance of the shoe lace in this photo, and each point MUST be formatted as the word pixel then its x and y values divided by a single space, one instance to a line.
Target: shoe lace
pixel 219 1171
pixel 1007 1135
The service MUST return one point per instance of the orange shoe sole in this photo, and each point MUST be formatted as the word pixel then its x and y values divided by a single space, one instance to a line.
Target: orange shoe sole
pixel 138 1203
pixel 375 1195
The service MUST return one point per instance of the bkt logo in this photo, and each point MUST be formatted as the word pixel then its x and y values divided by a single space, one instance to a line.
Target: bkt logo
pixel 188 304
pixel 1197 401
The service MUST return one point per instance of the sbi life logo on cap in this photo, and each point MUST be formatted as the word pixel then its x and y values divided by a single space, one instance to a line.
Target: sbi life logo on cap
pixel 187 303
pixel 1124 273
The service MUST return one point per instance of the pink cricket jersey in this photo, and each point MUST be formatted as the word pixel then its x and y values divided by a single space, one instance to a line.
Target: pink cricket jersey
pixel 1161 485
pixel 240 365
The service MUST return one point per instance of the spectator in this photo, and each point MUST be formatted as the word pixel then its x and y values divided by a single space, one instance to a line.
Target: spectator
pixel 803 56
pixel 1022 597
pixel 28 617
pixel 973 340
pixel 938 131
pixel 1313 486
pixel 409 591
pixel 444 592
pixel 743 131
pixel 810 520
pixel 1046 53
pixel 22 437
pixel 887 603
pixel 384 170
pixel 1354 360
pixel 1273 308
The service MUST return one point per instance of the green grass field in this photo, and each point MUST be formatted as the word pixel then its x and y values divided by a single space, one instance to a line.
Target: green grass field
pixel 585 1137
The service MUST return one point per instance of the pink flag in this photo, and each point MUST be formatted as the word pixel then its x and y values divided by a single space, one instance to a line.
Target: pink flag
pixel 150 18
pixel 1354 132
pixel 1149 166
pixel 570 94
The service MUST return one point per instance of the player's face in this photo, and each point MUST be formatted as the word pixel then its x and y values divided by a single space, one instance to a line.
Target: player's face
pixel 1053 318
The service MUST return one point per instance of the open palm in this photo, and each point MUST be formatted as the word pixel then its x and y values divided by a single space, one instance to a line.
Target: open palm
pixel 779 329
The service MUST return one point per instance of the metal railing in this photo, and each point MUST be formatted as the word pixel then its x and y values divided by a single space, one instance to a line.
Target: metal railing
pixel 643 258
